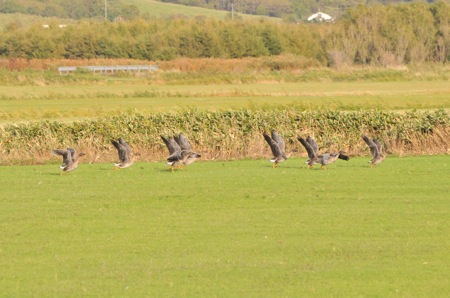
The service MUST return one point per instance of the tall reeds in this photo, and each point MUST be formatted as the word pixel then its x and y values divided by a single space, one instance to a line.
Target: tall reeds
pixel 230 134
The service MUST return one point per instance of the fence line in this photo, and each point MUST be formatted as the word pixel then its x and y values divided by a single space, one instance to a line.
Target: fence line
pixel 108 69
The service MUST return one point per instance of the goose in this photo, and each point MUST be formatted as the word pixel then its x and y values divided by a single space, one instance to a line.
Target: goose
pixel 277 145
pixel 312 155
pixel 181 153
pixel 186 146
pixel 376 149
pixel 70 159
pixel 124 151
pixel 324 159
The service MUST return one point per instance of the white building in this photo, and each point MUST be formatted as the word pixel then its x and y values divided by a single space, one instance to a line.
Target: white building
pixel 320 17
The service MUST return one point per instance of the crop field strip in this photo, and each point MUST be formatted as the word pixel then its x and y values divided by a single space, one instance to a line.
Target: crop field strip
pixel 66 103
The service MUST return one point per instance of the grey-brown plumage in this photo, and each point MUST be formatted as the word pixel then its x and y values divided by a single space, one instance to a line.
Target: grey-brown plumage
pixel 278 146
pixel 180 150
pixel 376 149
pixel 312 154
pixel 124 152
pixel 70 159
pixel 329 158
pixel 185 146
pixel 314 157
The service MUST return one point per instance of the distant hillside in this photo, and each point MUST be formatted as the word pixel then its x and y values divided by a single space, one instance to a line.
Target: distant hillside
pixel 156 9
pixel 147 9
pixel 95 9
pixel 26 20
pixel 288 10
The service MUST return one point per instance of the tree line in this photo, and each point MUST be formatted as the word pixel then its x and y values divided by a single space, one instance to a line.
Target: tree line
pixel 289 10
pixel 72 9
pixel 375 35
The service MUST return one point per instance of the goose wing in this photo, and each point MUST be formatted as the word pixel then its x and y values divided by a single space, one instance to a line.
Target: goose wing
pixel 308 147
pixel 72 153
pixel 125 145
pixel 373 147
pixel 313 144
pixel 122 149
pixel 171 145
pixel 279 140
pixel 379 146
pixel 66 155
pixel 176 156
pixel 273 145
pixel 183 142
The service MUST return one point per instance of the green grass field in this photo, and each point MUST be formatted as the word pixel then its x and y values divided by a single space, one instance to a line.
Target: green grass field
pixel 228 229
pixel 25 103
pixel 159 9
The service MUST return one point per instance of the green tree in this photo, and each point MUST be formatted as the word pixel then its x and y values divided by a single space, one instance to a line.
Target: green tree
pixel 271 40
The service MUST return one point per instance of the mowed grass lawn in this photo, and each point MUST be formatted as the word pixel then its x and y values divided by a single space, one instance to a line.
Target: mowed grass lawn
pixel 227 229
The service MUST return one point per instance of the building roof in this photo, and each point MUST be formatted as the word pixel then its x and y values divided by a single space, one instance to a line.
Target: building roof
pixel 320 17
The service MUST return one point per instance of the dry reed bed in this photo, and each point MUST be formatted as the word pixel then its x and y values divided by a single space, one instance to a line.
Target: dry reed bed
pixel 230 134
pixel 215 65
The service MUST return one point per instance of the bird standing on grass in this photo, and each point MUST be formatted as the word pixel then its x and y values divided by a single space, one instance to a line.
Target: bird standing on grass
pixel 124 151
pixel 180 151
pixel 313 154
pixel 376 149
pixel 70 159
pixel 277 145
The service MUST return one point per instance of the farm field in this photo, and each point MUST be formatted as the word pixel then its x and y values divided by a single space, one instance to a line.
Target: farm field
pixel 160 9
pixel 29 20
pixel 230 228
pixel 27 103
pixel 148 9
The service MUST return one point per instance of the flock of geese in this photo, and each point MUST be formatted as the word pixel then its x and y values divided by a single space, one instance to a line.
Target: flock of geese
pixel 181 153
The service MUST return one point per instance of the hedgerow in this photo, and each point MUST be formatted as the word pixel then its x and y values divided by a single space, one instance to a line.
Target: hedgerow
pixel 232 134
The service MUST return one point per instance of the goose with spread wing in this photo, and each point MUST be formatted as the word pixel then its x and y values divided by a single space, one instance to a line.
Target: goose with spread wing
pixel 311 150
pixel 180 151
pixel 124 152
pixel 314 157
pixel 70 159
pixel 376 149
pixel 185 146
pixel 277 146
